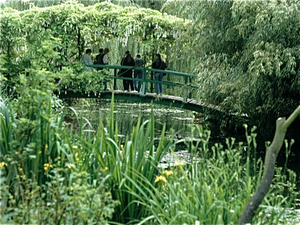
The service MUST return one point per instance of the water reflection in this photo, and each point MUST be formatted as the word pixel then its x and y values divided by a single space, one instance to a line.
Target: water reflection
pixel 127 114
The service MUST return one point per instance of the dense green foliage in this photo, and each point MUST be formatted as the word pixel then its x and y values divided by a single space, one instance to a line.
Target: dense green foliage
pixel 63 32
pixel 246 54
pixel 66 30
pixel 209 191
pixel 24 5
pixel 54 173
pixel 39 182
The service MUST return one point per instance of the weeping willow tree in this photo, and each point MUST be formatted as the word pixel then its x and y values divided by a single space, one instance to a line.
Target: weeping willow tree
pixel 247 57
pixel 246 54
pixel 55 37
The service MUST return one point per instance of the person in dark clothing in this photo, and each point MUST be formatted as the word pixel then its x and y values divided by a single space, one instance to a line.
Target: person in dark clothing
pixel 158 76
pixel 138 73
pixel 99 58
pixel 127 61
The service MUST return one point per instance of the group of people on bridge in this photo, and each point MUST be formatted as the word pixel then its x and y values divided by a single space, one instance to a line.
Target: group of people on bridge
pixel 137 64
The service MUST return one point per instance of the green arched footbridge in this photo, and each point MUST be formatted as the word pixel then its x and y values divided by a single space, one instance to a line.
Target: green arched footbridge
pixel 178 90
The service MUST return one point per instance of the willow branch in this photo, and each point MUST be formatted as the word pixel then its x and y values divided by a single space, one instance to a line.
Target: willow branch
pixel 270 159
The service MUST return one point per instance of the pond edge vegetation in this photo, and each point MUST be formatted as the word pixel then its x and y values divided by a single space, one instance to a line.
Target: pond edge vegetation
pixel 52 172
pixel 49 167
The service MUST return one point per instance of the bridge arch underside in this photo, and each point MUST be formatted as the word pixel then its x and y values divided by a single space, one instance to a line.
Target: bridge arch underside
pixel 166 100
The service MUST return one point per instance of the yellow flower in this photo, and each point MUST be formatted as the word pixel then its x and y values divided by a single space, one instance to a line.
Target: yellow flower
pixel 122 146
pixel 75 146
pixel 47 166
pixel 179 164
pixel 260 214
pixel 167 172
pixel 70 165
pixel 101 170
pixel 46 146
pixel 160 178
pixel 40 152
pixel 76 156
pixel 2 164
pixel 20 169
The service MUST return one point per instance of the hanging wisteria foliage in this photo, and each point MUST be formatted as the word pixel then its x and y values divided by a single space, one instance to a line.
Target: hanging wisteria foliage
pixel 71 27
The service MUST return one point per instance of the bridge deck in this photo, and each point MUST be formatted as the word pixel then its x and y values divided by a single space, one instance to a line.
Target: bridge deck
pixel 168 100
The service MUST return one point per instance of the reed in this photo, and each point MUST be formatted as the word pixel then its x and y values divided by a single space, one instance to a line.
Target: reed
pixel 45 162
pixel 104 152
pixel 212 190
pixel 40 180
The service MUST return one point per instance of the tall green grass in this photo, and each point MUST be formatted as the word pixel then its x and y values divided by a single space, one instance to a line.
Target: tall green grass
pixel 68 173
pixel 212 190
pixel 39 181
pixel 104 152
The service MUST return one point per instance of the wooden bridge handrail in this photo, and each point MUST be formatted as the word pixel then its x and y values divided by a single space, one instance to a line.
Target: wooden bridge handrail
pixel 152 81
pixel 172 72
pixel 149 78
pixel 143 68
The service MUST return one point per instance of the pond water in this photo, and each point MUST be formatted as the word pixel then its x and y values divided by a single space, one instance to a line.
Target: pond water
pixel 127 113
pixel 178 120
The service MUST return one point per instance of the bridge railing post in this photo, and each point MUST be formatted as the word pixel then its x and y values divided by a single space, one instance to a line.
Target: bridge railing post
pixel 185 90
pixel 152 78
pixel 190 92
pixel 144 82
pixel 115 80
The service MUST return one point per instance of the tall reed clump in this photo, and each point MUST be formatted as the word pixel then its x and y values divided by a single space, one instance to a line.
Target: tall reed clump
pixel 213 189
pixel 122 161
pixel 39 181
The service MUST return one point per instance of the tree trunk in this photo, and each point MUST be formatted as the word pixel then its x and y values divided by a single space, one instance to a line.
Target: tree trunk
pixel 281 127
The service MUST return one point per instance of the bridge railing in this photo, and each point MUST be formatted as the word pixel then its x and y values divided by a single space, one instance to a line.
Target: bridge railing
pixel 148 78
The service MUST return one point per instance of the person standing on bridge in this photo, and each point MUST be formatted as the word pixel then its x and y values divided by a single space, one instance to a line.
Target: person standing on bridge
pixel 127 61
pixel 87 60
pixel 158 64
pixel 138 73
pixel 106 60
pixel 99 59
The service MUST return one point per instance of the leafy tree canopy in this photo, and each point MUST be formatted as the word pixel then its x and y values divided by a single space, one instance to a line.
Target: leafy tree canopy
pixel 247 55
pixel 27 4
pixel 54 36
